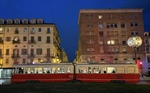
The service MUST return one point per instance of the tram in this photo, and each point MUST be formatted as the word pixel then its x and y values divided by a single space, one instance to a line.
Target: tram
pixel 42 73
pixel 83 72
pixel 113 73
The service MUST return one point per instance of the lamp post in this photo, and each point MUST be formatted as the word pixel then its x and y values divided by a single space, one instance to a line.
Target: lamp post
pixel 135 42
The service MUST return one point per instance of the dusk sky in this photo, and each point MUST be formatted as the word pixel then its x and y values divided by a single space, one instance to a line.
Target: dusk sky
pixel 64 13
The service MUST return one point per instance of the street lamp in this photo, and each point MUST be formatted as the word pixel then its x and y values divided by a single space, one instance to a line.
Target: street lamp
pixel 134 42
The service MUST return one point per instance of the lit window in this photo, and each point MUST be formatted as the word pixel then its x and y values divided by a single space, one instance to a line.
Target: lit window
pixel 1 30
pixel 110 42
pixel 25 29
pixel 100 17
pixel 8 29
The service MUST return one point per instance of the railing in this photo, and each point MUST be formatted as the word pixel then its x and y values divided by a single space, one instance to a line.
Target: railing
pixel 16 42
pixel 15 56
pixel 32 41
pixel 31 55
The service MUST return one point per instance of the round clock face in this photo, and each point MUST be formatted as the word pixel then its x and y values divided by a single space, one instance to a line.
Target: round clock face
pixel 134 41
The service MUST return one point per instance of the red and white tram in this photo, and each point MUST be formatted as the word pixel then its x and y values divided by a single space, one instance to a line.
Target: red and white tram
pixel 42 73
pixel 114 73
pixel 83 72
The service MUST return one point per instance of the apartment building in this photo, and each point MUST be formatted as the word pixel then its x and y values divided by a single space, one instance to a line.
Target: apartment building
pixel 28 41
pixel 147 50
pixel 103 35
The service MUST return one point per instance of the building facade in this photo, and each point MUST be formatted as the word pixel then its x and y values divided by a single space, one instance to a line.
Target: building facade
pixel 103 36
pixel 28 41
pixel 146 65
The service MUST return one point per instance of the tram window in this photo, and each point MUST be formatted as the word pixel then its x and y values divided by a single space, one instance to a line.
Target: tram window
pixel 63 69
pixel 20 70
pixel 53 69
pixel 89 70
pixel 96 70
pixel 104 70
pixel 47 70
pixel 39 70
pixel 82 70
pixel 68 69
pixel 120 69
pixel 58 69
pixel 111 70
pixel 29 70
pixel 130 69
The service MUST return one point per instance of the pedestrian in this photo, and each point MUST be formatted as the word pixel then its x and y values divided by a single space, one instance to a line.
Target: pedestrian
pixel 149 73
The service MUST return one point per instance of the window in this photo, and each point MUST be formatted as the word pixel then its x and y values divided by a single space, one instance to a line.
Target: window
pixel 89 16
pixel 39 38
pixel 101 42
pixel 32 30
pixel 24 51
pixel 1 21
pixel 122 25
pixel 90 50
pixel 48 30
pixel 124 50
pixel 16 38
pixel 148 59
pixel 124 42
pixel 112 25
pixel 8 39
pixel 48 51
pixel 8 29
pixel 24 61
pixel 16 31
pixel 100 16
pixel 110 42
pixel 111 16
pixel 48 39
pixel 24 38
pixel 122 16
pixel 133 24
pixel 90 33
pixel 39 30
pixel 25 29
pixel 7 61
pixel 1 30
pixel 7 51
pixel 100 33
pixel 134 33
pixel 39 52
pixel 90 42
pixel 100 25
pixel 82 70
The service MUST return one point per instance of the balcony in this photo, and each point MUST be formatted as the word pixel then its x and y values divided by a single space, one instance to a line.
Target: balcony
pixel 48 56
pixel 48 41
pixel 32 41
pixel 16 41
pixel 15 56
pixel 31 56
pixel 1 41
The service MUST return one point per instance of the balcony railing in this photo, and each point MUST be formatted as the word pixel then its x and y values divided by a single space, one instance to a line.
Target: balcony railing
pixel 48 41
pixel 15 56
pixel 31 55
pixel 48 56
pixel 32 41
pixel 16 42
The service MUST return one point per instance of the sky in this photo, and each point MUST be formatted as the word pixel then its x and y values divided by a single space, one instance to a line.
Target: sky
pixel 64 13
